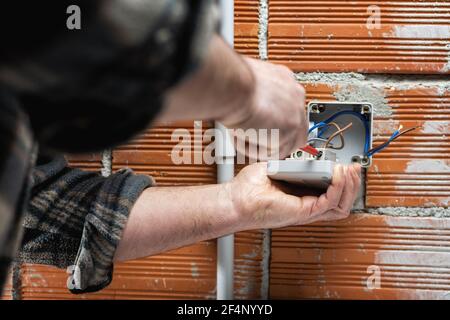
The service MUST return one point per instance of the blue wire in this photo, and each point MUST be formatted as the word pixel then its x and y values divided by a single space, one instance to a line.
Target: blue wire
pixel 360 116
pixel 380 148
pixel 318 125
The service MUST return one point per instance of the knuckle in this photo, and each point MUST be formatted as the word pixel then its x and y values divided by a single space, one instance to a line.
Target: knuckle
pixel 333 203
pixel 302 89
pixel 345 213
pixel 350 184
pixel 285 69
pixel 333 215
pixel 340 183
pixel 342 214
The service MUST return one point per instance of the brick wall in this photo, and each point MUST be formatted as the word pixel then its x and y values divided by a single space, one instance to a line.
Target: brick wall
pixel 403 234
pixel 186 273
pixel 402 67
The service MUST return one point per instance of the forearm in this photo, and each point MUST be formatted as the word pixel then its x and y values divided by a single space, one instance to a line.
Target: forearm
pixel 168 218
pixel 172 217
pixel 217 90
pixel 242 93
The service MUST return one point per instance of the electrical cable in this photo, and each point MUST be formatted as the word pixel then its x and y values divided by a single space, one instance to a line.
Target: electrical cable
pixel 367 152
pixel 385 144
pixel 316 126
pixel 338 128
pixel 339 132
pixel 319 140
pixel 394 136
pixel 348 112
pixel 325 140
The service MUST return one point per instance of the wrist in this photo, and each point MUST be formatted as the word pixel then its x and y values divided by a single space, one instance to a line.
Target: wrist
pixel 240 106
pixel 236 207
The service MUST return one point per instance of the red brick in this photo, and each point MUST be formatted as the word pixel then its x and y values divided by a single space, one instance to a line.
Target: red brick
pixel 88 162
pixel 332 36
pixel 335 260
pixel 246 27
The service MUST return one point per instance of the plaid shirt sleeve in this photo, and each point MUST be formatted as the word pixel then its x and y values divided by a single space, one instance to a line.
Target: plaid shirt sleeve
pixel 84 90
pixel 17 155
pixel 94 87
pixel 75 219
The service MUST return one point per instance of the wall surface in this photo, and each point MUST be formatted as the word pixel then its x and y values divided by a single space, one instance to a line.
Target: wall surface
pixel 342 36
pixel 399 245
pixel 186 273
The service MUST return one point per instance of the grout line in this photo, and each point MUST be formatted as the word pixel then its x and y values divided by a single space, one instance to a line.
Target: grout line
pixel 381 80
pixel 106 163
pixel 265 263
pixel 16 292
pixel 267 234
pixel 262 32
pixel 371 88
pixel 433 212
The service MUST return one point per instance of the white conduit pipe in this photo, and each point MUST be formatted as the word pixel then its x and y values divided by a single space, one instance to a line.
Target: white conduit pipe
pixel 225 154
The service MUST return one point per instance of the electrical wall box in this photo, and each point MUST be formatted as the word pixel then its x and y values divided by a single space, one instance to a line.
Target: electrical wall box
pixel 305 169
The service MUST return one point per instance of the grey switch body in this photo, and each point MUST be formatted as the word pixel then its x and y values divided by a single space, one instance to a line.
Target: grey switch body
pixel 309 173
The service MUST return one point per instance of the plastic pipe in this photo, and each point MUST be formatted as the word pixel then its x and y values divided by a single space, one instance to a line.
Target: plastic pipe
pixel 225 154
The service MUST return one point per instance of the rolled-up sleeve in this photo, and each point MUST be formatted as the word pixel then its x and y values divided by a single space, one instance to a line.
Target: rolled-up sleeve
pixel 86 90
pixel 75 220
pixel 96 86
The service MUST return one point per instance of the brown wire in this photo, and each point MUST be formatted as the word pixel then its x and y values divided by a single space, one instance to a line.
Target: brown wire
pixel 383 145
pixel 406 131
pixel 338 128
pixel 339 132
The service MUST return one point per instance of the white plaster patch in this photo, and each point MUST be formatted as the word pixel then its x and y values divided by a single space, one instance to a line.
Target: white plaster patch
pixel 365 93
pixel 436 127
pixel 413 258
pixel 422 31
pixel 446 68
pixel 385 126
pixel 423 295
pixel 194 270
pixel 428 166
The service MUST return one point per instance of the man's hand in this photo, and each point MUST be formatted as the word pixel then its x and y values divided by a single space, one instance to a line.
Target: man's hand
pixel 242 93
pixel 277 102
pixel 165 218
pixel 264 203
